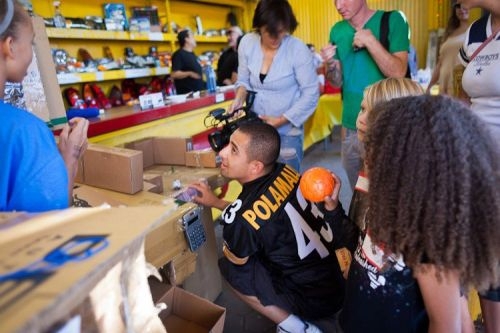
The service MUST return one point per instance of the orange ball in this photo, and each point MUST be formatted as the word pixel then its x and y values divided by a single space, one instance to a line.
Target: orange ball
pixel 316 183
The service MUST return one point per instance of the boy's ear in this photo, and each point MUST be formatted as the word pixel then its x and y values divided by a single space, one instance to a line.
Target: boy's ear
pixel 256 167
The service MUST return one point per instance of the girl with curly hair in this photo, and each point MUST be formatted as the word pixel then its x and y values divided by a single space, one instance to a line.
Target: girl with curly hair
pixel 434 203
pixel 362 285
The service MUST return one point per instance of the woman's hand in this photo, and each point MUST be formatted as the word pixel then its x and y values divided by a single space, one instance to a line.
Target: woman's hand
pixel 274 121
pixel 72 145
pixel 73 139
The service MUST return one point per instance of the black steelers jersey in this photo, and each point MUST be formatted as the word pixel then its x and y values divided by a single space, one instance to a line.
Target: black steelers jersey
pixel 290 235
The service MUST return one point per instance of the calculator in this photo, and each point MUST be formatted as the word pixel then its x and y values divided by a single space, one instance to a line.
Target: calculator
pixel 193 229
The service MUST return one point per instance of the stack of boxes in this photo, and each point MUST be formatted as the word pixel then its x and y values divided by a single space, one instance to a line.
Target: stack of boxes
pixel 122 169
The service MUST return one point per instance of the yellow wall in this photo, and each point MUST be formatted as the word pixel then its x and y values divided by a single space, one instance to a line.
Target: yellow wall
pixel 316 17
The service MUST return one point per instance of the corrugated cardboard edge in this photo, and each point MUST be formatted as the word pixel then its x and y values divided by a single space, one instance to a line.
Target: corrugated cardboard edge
pixel 48 75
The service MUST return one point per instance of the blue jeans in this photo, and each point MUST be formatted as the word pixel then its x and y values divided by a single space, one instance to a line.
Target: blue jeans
pixel 292 151
pixel 351 155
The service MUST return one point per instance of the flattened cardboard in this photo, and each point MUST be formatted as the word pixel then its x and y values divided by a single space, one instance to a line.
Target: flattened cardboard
pixel 105 236
pixel 146 146
pixel 42 93
pixel 205 158
pixel 166 241
pixel 171 150
pixel 154 182
pixel 116 169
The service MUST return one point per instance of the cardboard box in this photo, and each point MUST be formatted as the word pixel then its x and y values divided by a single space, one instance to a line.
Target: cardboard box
pixel 206 158
pixel 116 169
pixel 171 150
pixel 187 312
pixel 146 146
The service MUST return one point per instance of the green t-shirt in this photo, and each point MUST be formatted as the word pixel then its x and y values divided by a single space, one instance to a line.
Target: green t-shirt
pixel 359 70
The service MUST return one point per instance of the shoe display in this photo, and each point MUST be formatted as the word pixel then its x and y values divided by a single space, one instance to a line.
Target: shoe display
pixel 72 96
pixel 88 96
pixel 156 85
pixel 115 96
pixel 129 90
pixel 102 100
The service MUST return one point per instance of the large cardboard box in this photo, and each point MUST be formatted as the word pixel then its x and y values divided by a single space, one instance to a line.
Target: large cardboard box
pixel 205 158
pixel 187 312
pixel 146 146
pixel 116 169
pixel 171 150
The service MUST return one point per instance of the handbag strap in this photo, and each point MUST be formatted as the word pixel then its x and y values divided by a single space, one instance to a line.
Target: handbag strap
pixel 486 42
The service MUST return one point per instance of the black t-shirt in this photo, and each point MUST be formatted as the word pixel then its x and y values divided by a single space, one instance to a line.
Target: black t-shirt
pixel 228 63
pixel 381 294
pixel 299 243
pixel 183 60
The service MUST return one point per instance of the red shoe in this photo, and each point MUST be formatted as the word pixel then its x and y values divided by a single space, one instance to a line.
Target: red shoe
pixel 129 90
pixel 88 96
pixel 102 100
pixel 156 85
pixel 71 95
pixel 115 96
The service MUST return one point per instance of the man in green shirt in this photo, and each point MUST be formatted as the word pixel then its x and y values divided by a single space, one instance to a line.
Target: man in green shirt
pixel 356 58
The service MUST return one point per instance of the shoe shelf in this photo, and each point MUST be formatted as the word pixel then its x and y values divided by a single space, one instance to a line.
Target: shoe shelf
pixel 108 35
pixel 125 35
pixel 72 78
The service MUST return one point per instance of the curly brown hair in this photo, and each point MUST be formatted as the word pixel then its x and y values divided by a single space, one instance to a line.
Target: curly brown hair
pixel 435 186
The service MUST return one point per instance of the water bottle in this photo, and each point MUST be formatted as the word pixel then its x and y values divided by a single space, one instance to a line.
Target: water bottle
pixel 210 75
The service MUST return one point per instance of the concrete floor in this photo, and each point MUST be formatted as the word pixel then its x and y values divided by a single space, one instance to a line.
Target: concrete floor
pixel 240 318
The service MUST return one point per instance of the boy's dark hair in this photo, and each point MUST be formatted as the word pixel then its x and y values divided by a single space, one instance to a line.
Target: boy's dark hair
pixel 275 15
pixel 434 186
pixel 264 145
pixel 181 37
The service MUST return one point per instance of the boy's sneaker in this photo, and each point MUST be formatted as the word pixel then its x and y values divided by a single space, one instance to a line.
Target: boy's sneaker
pixel 309 328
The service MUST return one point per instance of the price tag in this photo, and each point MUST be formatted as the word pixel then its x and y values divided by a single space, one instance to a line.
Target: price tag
pixel 219 98
pixel 151 101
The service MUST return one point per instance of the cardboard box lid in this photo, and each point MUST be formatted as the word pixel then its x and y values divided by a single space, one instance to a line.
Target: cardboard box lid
pixel 76 247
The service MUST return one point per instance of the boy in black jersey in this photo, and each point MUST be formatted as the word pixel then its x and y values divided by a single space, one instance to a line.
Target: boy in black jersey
pixel 284 256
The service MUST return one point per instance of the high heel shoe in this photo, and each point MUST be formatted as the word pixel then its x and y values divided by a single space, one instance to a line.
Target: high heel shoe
pixel 88 96
pixel 102 100
pixel 115 96
pixel 72 96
